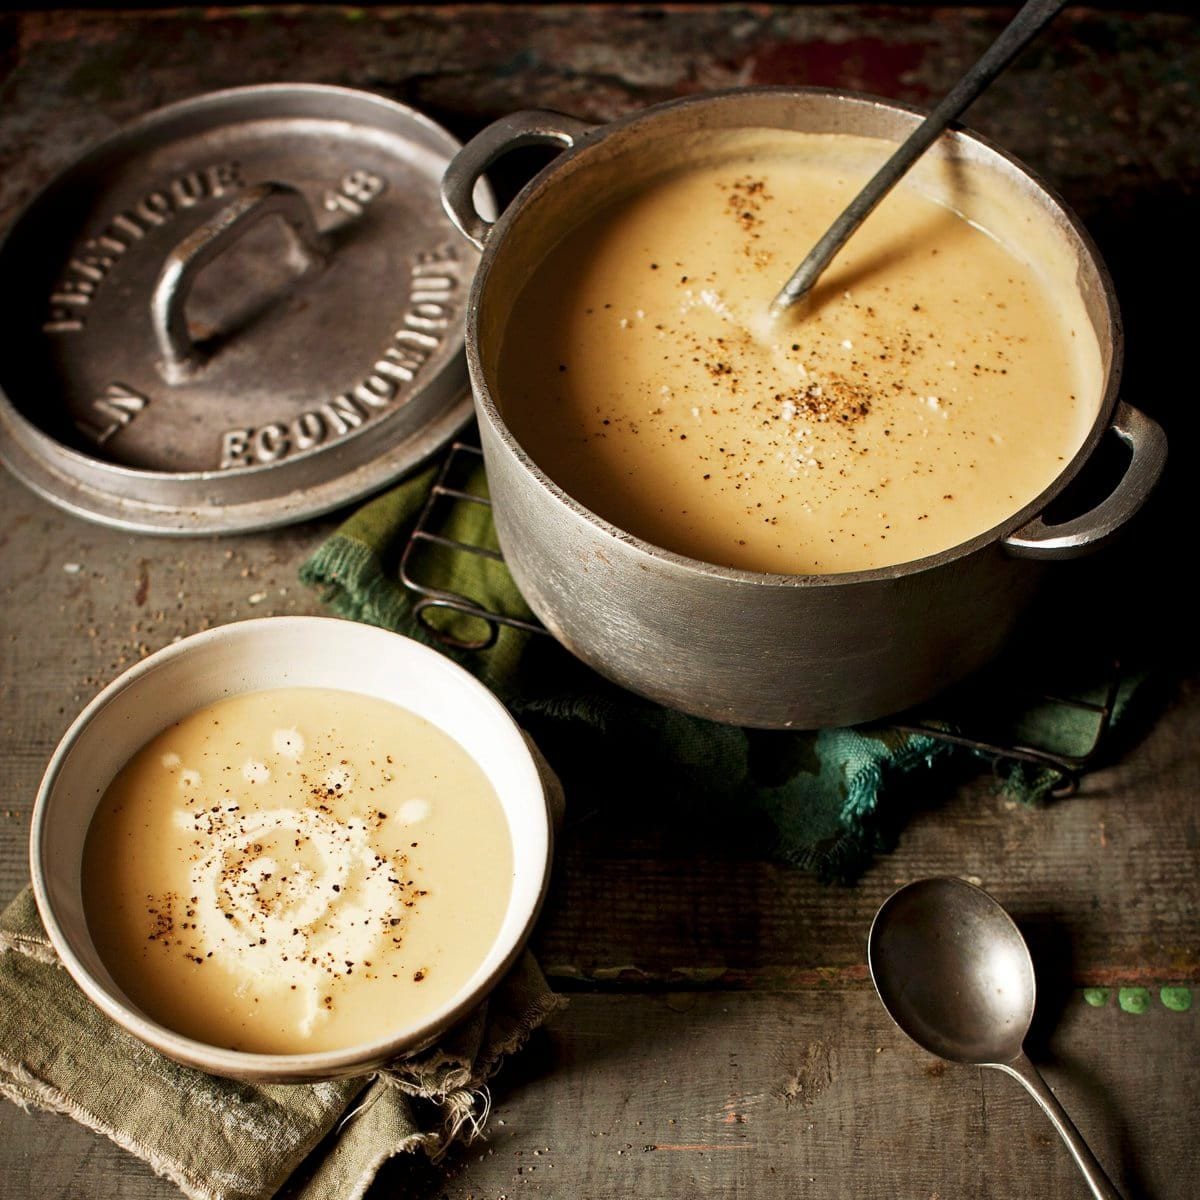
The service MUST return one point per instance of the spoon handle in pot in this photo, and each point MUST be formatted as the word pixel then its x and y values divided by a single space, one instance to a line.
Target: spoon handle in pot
pixel 1033 16
pixel 1023 1070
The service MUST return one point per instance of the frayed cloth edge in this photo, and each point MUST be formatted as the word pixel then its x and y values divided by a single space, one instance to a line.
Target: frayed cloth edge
pixel 463 1076
pixel 28 1091
pixel 31 1092
pixel 415 1141
pixel 29 947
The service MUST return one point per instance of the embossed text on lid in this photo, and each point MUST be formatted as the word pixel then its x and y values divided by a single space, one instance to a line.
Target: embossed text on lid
pixel 242 310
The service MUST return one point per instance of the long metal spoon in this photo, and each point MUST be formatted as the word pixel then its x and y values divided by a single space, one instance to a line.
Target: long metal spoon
pixel 1024 27
pixel 954 972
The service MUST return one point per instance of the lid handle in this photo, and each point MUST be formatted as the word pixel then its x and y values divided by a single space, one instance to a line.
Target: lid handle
pixel 180 357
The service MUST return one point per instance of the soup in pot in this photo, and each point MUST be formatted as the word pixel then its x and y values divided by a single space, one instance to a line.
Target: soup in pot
pixel 937 381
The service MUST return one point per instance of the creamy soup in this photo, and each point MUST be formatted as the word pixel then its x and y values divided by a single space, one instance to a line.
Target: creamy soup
pixel 296 870
pixel 934 384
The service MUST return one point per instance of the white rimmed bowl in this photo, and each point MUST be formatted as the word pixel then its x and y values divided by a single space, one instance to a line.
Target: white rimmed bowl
pixel 249 656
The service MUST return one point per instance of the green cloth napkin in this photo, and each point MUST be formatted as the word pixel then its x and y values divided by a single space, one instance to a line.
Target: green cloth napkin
pixel 813 799
pixel 222 1140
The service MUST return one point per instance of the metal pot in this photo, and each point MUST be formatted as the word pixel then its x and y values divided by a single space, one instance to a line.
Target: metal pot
pixel 738 646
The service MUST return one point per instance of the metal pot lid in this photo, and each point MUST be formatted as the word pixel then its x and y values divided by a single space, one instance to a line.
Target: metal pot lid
pixel 240 311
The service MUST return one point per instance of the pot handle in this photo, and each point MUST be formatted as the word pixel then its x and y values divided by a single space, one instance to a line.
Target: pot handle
pixel 531 128
pixel 1081 535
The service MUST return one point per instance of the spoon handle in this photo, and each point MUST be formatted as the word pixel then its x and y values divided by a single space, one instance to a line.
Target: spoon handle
pixel 1023 28
pixel 1022 1069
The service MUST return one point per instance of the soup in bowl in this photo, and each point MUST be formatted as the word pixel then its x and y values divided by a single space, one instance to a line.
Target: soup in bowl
pixel 290 848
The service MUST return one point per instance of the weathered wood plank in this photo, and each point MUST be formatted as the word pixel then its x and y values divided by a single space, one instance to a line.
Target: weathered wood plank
pixel 1097 99
pixel 818 1094
pixel 764 1094
pixel 82 603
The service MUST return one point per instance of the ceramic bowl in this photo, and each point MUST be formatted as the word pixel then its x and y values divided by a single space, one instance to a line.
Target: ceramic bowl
pixel 249 656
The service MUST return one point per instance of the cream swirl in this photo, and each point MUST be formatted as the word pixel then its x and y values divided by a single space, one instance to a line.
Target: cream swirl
pixel 291 898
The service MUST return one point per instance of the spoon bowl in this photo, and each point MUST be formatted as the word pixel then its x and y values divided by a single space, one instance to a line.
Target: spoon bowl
pixel 954 972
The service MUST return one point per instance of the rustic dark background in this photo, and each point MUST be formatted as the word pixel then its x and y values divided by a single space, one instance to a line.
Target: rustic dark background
pixel 723 1035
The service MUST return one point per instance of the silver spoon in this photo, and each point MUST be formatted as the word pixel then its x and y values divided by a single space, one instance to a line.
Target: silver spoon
pixel 954 972
pixel 1024 27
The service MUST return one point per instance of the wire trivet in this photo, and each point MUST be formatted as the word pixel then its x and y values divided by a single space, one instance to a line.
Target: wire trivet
pixel 450 487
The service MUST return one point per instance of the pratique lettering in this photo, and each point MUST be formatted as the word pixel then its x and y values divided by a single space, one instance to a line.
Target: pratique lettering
pixel 92 260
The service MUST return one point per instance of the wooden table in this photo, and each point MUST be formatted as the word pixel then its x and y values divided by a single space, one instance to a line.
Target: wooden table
pixel 722 1033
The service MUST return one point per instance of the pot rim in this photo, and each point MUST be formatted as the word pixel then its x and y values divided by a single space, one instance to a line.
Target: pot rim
pixel 734 575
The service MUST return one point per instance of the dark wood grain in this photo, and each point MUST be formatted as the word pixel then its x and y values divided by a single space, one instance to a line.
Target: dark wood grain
pixel 816 1094
pixel 813 1093
pixel 723 1036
